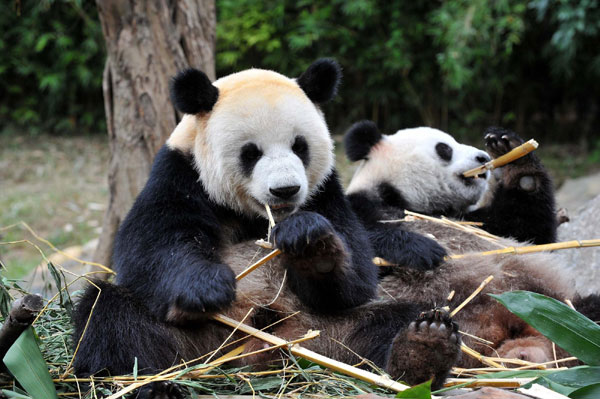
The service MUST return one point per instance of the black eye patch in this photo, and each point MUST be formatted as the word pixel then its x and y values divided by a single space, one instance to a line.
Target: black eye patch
pixel 444 151
pixel 249 156
pixel 300 148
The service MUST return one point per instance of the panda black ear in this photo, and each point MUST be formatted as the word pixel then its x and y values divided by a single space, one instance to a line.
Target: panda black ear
pixel 192 92
pixel 360 138
pixel 321 80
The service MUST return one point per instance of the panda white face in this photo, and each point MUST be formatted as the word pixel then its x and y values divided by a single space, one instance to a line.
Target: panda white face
pixel 264 142
pixel 425 165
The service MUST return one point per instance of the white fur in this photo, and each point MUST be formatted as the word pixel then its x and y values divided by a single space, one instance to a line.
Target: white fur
pixel 408 161
pixel 269 110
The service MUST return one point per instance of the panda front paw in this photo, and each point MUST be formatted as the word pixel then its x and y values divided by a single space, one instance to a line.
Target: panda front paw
pixel 309 242
pixel 407 249
pixel 209 290
pixel 499 141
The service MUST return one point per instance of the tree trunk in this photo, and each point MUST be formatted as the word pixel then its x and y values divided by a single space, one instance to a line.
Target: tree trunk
pixel 147 42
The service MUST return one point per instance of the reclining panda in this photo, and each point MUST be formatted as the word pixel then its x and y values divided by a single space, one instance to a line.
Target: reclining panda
pixel 421 170
pixel 249 139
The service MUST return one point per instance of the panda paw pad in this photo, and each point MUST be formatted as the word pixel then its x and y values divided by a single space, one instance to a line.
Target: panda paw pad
pixel 500 141
pixel 435 324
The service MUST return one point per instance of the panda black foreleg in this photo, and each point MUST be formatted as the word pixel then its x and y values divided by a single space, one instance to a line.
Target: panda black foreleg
pixel 405 248
pixel 522 205
pixel 319 264
pixel 121 329
pixel 390 241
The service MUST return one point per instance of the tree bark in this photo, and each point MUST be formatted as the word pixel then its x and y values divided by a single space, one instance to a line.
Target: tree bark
pixel 147 42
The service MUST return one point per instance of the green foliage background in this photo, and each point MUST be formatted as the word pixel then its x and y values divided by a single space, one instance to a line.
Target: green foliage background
pixel 532 65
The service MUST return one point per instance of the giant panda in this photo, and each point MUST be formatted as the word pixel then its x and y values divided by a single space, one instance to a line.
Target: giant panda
pixel 251 138
pixel 421 170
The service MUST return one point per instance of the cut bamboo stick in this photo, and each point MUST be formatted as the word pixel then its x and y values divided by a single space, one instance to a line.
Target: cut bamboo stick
pixel 304 353
pixel 533 248
pixel 476 355
pixel 258 264
pixel 473 295
pixel 510 156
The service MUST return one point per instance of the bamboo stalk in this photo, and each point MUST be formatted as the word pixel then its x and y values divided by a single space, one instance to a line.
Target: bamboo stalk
pixel 533 248
pixel 515 250
pixel 510 156
pixel 304 353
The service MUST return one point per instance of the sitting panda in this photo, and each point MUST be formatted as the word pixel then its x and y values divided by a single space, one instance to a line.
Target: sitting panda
pixel 421 170
pixel 249 139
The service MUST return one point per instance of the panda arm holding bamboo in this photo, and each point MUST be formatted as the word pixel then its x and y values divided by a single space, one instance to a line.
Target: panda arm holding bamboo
pixel 520 200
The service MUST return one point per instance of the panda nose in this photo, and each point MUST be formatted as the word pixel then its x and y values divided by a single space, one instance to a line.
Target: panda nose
pixel 284 192
pixel 482 158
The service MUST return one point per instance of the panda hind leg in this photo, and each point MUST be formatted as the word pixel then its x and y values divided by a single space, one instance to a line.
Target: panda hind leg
pixel 427 349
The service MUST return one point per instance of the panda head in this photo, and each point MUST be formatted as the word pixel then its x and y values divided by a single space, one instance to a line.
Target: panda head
pixel 257 137
pixel 424 165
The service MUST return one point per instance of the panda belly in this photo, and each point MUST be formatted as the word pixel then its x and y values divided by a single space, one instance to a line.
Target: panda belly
pixel 483 317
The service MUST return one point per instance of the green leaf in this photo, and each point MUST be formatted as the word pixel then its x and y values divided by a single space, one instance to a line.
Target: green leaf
pixel 421 391
pixel 569 329
pixel 568 381
pixel 25 362
pixel 11 394
pixel 588 392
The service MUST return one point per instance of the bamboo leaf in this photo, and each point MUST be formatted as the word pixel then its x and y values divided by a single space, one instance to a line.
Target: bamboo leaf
pixel 421 391
pixel 25 362
pixel 569 329
pixel 567 382
pixel 588 392
pixel 11 394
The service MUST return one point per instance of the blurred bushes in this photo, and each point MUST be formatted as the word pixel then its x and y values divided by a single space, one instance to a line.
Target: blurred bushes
pixel 51 63
pixel 461 65
pixel 457 65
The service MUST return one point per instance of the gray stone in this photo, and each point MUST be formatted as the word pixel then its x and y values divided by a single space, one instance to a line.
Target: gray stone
pixel 574 193
pixel 582 264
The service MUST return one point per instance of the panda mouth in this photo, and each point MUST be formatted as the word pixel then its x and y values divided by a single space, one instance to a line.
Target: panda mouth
pixel 468 181
pixel 276 207
pixel 280 210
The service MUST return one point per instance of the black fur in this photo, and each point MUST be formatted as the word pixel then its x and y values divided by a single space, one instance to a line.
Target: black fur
pixel 360 138
pixel 444 151
pixel 301 149
pixel 249 156
pixel 169 271
pixel 390 241
pixel 515 212
pixel 192 92
pixel 321 79
pixel 589 306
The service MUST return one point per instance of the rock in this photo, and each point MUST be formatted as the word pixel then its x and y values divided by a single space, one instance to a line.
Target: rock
pixel 576 192
pixel 583 264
